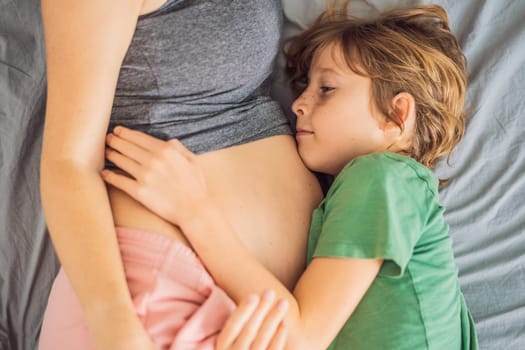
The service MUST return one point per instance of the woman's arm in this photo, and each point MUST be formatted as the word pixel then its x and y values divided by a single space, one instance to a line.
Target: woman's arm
pixel 86 41
pixel 167 179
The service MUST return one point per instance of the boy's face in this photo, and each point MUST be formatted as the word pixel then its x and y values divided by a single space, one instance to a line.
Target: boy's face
pixel 335 120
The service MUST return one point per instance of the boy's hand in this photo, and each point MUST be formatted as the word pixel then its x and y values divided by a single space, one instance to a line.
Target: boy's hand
pixel 165 176
pixel 256 324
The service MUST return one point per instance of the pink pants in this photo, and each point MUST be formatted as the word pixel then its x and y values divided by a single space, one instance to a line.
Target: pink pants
pixel 175 298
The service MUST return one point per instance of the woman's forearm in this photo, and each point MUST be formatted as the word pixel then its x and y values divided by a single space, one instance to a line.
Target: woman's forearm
pixel 80 223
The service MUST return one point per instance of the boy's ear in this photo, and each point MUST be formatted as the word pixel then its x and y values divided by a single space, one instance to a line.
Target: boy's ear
pixel 403 108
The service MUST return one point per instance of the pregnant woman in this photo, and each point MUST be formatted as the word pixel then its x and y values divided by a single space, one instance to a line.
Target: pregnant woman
pixel 195 70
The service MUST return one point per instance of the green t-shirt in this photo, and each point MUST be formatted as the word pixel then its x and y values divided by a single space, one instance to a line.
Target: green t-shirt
pixel 385 205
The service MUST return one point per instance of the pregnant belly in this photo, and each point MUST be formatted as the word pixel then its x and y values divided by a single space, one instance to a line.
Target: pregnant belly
pixel 263 189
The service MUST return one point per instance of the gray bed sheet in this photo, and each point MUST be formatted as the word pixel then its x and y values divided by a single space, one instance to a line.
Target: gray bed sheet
pixel 484 200
pixel 27 261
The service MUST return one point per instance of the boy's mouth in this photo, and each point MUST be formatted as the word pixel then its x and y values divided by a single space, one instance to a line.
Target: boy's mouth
pixel 303 132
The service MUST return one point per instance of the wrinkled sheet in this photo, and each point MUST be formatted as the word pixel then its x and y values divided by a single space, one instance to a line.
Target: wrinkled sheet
pixel 27 261
pixel 484 200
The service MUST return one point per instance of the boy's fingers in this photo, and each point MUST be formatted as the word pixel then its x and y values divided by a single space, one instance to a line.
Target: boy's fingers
pixel 279 340
pixel 236 322
pixel 251 329
pixel 270 325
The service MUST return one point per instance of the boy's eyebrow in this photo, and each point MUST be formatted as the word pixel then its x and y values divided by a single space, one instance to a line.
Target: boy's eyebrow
pixel 328 70
pixel 324 70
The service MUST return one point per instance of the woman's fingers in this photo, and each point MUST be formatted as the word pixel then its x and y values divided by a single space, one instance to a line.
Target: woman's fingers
pixel 128 148
pixel 123 162
pixel 136 137
pixel 164 178
pixel 142 148
pixel 182 149
pixel 121 182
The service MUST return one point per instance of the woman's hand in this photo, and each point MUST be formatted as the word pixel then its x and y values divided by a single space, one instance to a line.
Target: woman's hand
pixel 111 330
pixel 165 175
pixel 256 324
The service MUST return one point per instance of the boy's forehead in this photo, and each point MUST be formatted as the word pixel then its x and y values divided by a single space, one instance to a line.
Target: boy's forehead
pixel 329 57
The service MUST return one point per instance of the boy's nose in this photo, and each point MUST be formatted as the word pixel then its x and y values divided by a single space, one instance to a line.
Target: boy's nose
pixel 299 106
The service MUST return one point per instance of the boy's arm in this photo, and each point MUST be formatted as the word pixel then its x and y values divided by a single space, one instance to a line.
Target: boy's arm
pixel 324 298
pixel 256 323
pixel 166 178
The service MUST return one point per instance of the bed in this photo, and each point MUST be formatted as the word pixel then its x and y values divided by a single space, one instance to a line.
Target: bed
pixel 484 200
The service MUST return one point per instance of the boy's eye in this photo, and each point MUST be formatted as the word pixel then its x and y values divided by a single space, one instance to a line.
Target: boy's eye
pixel 303 81
pixel 301 84
pixel 325 89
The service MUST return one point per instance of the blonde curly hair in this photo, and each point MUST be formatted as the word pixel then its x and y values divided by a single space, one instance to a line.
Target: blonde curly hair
pixel 404 50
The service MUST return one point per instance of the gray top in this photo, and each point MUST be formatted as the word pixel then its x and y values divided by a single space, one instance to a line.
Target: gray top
pixel 198 70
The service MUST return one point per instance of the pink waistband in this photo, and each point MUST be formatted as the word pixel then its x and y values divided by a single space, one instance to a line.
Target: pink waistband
pixel 162 254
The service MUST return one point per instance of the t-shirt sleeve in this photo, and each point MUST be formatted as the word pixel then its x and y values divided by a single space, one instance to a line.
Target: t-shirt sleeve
pixel 375 209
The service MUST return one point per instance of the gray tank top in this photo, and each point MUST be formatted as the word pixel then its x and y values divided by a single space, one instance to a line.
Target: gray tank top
pixel 198 71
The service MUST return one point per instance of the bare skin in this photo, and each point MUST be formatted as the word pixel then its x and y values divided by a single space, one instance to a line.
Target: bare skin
pixel 329 135
pixel 269 209
pixel 262 187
